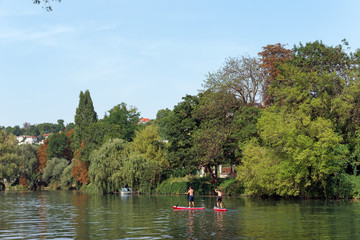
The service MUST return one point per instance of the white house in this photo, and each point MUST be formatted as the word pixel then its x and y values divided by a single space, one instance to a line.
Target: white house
pixel 25 139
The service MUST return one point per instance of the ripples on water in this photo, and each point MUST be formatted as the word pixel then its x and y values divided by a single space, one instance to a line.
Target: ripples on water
pixel 72 215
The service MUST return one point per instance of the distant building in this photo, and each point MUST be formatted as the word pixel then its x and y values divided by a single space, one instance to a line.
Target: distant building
pixel 25 139
pixel 46 135
pixel 143 120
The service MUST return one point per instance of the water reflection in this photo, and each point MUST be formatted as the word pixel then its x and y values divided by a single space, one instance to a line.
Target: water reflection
pixel 81 214
pixel 42 217
pixel 71 215
pixel 219 223
pixel 191 227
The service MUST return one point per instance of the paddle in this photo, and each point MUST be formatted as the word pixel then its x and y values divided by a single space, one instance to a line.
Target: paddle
pixel 179 202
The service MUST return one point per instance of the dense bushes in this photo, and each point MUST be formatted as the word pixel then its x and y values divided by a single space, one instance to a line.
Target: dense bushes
pixel 231 187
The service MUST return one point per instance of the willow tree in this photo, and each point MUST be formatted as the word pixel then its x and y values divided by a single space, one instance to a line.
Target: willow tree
pixel 106 170
pixel 9 157
pixel 147 159
pixel 29 166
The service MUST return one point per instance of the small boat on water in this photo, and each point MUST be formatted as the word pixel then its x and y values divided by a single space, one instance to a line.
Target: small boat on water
pixel 127 191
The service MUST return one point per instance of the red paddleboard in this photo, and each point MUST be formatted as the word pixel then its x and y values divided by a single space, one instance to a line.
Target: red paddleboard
pixel 188 208
pixel 220 209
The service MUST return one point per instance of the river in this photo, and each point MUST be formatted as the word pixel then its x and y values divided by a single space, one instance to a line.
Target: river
pixel 75 215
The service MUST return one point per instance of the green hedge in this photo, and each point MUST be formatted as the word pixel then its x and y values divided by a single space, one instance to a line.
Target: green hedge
pixel 231 187
pixel 201 186
pixel 173 186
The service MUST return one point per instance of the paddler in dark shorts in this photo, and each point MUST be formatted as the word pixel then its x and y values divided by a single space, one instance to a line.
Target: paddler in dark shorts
pixel 219 198
pixel 191 196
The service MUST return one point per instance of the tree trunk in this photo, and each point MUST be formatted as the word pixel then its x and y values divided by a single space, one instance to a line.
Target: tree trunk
pixel 213 176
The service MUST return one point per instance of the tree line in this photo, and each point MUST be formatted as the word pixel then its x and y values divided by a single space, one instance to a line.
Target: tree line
pixel 288 119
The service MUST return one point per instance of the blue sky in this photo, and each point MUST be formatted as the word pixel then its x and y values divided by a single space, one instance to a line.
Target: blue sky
pixel 148 54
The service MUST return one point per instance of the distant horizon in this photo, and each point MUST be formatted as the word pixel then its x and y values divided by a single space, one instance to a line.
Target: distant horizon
pixel 146 54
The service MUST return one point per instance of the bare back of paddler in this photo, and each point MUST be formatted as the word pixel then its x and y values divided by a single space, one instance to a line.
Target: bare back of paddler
pixel 219 198
pixel 191 196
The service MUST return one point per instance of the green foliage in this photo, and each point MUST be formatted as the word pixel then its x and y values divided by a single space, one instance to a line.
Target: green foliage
pixel 201 186
pixel 106 171
pixel 9 157
pixel 173 186
pixel 297 157
pixel 317 57
pixel 126 119
pixel 85 113
pixel 67 180
pixel 343 186
pixel 29 165
pixel 138 165
pixel 244 126
pixel 54 169
pixel 178 127
pixel 85 116
pixel 38 129
pixel 354 182
pixel 59 146
pixel 146 160
pixel 161 121
pixel 231 187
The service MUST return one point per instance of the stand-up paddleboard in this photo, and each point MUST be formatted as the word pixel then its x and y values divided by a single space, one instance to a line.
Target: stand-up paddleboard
pixel 220 209
pixel 188 208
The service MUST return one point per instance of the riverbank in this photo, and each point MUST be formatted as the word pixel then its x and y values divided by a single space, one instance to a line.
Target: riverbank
pixel 202 186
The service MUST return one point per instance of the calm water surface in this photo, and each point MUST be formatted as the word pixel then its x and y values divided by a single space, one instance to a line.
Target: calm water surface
pixel 73 215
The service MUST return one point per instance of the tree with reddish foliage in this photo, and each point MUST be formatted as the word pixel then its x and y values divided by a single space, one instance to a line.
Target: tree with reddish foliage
pixel 270 58
pixel 42 155
pixel 80 168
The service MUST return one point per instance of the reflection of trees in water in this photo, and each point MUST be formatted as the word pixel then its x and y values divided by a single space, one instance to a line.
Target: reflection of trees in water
pixel 42 216
pixel 191 227
pixel 81 215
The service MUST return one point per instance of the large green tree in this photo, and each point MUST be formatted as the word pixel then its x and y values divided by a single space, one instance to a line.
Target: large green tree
pixel 29 165
pixel 59 146
pixel 179 125
pixel 106 170
pixel 84 118
pixel 147 147
pixel 125 119
pixel 9 157
pixel 320 58
pixel 212 139
pixel 54 169
pixel 296 156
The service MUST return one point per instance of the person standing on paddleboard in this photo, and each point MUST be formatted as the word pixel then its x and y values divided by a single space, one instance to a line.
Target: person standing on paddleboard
pixel 219 198
pixel 191 196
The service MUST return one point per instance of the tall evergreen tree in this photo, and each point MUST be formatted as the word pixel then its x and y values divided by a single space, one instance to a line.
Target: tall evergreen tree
pixel 85 116
pixel 85 113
